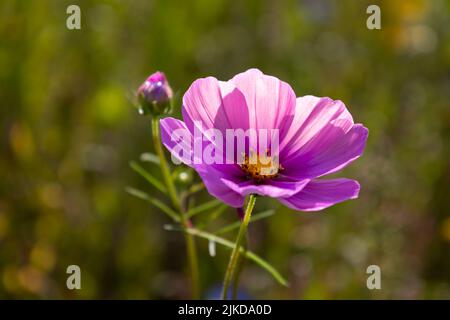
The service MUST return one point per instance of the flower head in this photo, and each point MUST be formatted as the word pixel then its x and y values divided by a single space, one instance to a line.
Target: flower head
pixel 155 94
pixel 315 137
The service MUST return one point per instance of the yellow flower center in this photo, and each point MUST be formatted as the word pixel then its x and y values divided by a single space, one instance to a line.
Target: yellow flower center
pixel 261 167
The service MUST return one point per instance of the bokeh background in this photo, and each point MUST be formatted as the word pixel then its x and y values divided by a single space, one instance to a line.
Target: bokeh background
pixel 69 129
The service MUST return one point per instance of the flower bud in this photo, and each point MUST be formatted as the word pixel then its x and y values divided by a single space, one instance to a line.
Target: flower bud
pixel 183 176
pixel 155 95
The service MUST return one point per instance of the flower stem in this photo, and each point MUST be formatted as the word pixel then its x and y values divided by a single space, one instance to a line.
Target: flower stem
pixel 163 163
pixel 189 239
pixel 240 265
pixel 237 247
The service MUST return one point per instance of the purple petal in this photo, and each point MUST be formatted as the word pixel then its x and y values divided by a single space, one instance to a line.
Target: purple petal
pixel 312 114
pixel 270 188
pixel 271 102
pixel 210 174
pixel 214 104
pixel 182 148
pixel 212 179
pixel 321 194
pixel 177 138
pixel 331 149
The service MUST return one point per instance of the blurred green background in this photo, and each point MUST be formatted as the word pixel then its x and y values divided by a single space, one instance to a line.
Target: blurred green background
pixel 69 129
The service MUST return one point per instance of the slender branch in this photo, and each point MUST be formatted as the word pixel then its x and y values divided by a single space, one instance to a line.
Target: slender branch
pixel 237 224
pixel 230 245
pixel 147 176
pixel 237 247
pixel 157 203
pixel 190 244
pixel 196 187
pixel 203 207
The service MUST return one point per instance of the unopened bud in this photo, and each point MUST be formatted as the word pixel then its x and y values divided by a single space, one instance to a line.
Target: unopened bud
pixel 183 176
pixel 155 95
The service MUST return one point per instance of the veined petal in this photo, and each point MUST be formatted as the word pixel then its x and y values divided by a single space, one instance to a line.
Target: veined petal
pixel 321 194
pixel 210 103
pixel 331 149
pixel 270 101
pixel 177 138
pixel 181 149
pixel 212 179
pixel 312 114
pixel 270 188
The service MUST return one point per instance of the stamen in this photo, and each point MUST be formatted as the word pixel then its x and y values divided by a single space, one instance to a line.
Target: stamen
pixel 261 167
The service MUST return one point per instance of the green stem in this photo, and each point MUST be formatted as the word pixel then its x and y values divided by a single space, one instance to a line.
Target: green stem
pixel 190 244
pixel 163 163
pixel 237 246
pixel 239 268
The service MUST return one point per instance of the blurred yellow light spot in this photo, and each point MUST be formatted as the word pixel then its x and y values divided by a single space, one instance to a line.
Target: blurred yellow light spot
pixel 446 229
pixel 109 105
pixel 51 195
pixel 49 227
pixel 9 278
pixel 412 10
pixel 31 279
pixel 21 140
pixel 43 257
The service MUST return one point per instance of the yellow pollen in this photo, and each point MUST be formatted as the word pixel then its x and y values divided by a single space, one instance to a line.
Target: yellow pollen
pixel 261 167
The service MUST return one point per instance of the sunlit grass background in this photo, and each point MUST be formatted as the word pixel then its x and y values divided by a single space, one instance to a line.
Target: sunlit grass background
pixel 69 129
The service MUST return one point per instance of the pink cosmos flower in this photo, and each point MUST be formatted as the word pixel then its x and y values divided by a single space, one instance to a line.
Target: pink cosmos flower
pixel 317 136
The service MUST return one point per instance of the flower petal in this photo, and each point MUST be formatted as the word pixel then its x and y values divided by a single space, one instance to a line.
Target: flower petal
pixel 214 104
pixel 270 101
pixel 312 114
pixel 270 188
pixel 321 194
pixel 177 138
pixel 181 149
pixel 212 179
pixel 330 150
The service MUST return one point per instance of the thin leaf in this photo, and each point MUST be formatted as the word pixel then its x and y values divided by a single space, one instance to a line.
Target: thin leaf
pixel 237 224
pixel 203 207
pixel 248 254
pixel 157 203
pixel 195 188
pixel 213 216
pixel 150 157
pixel 147 176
